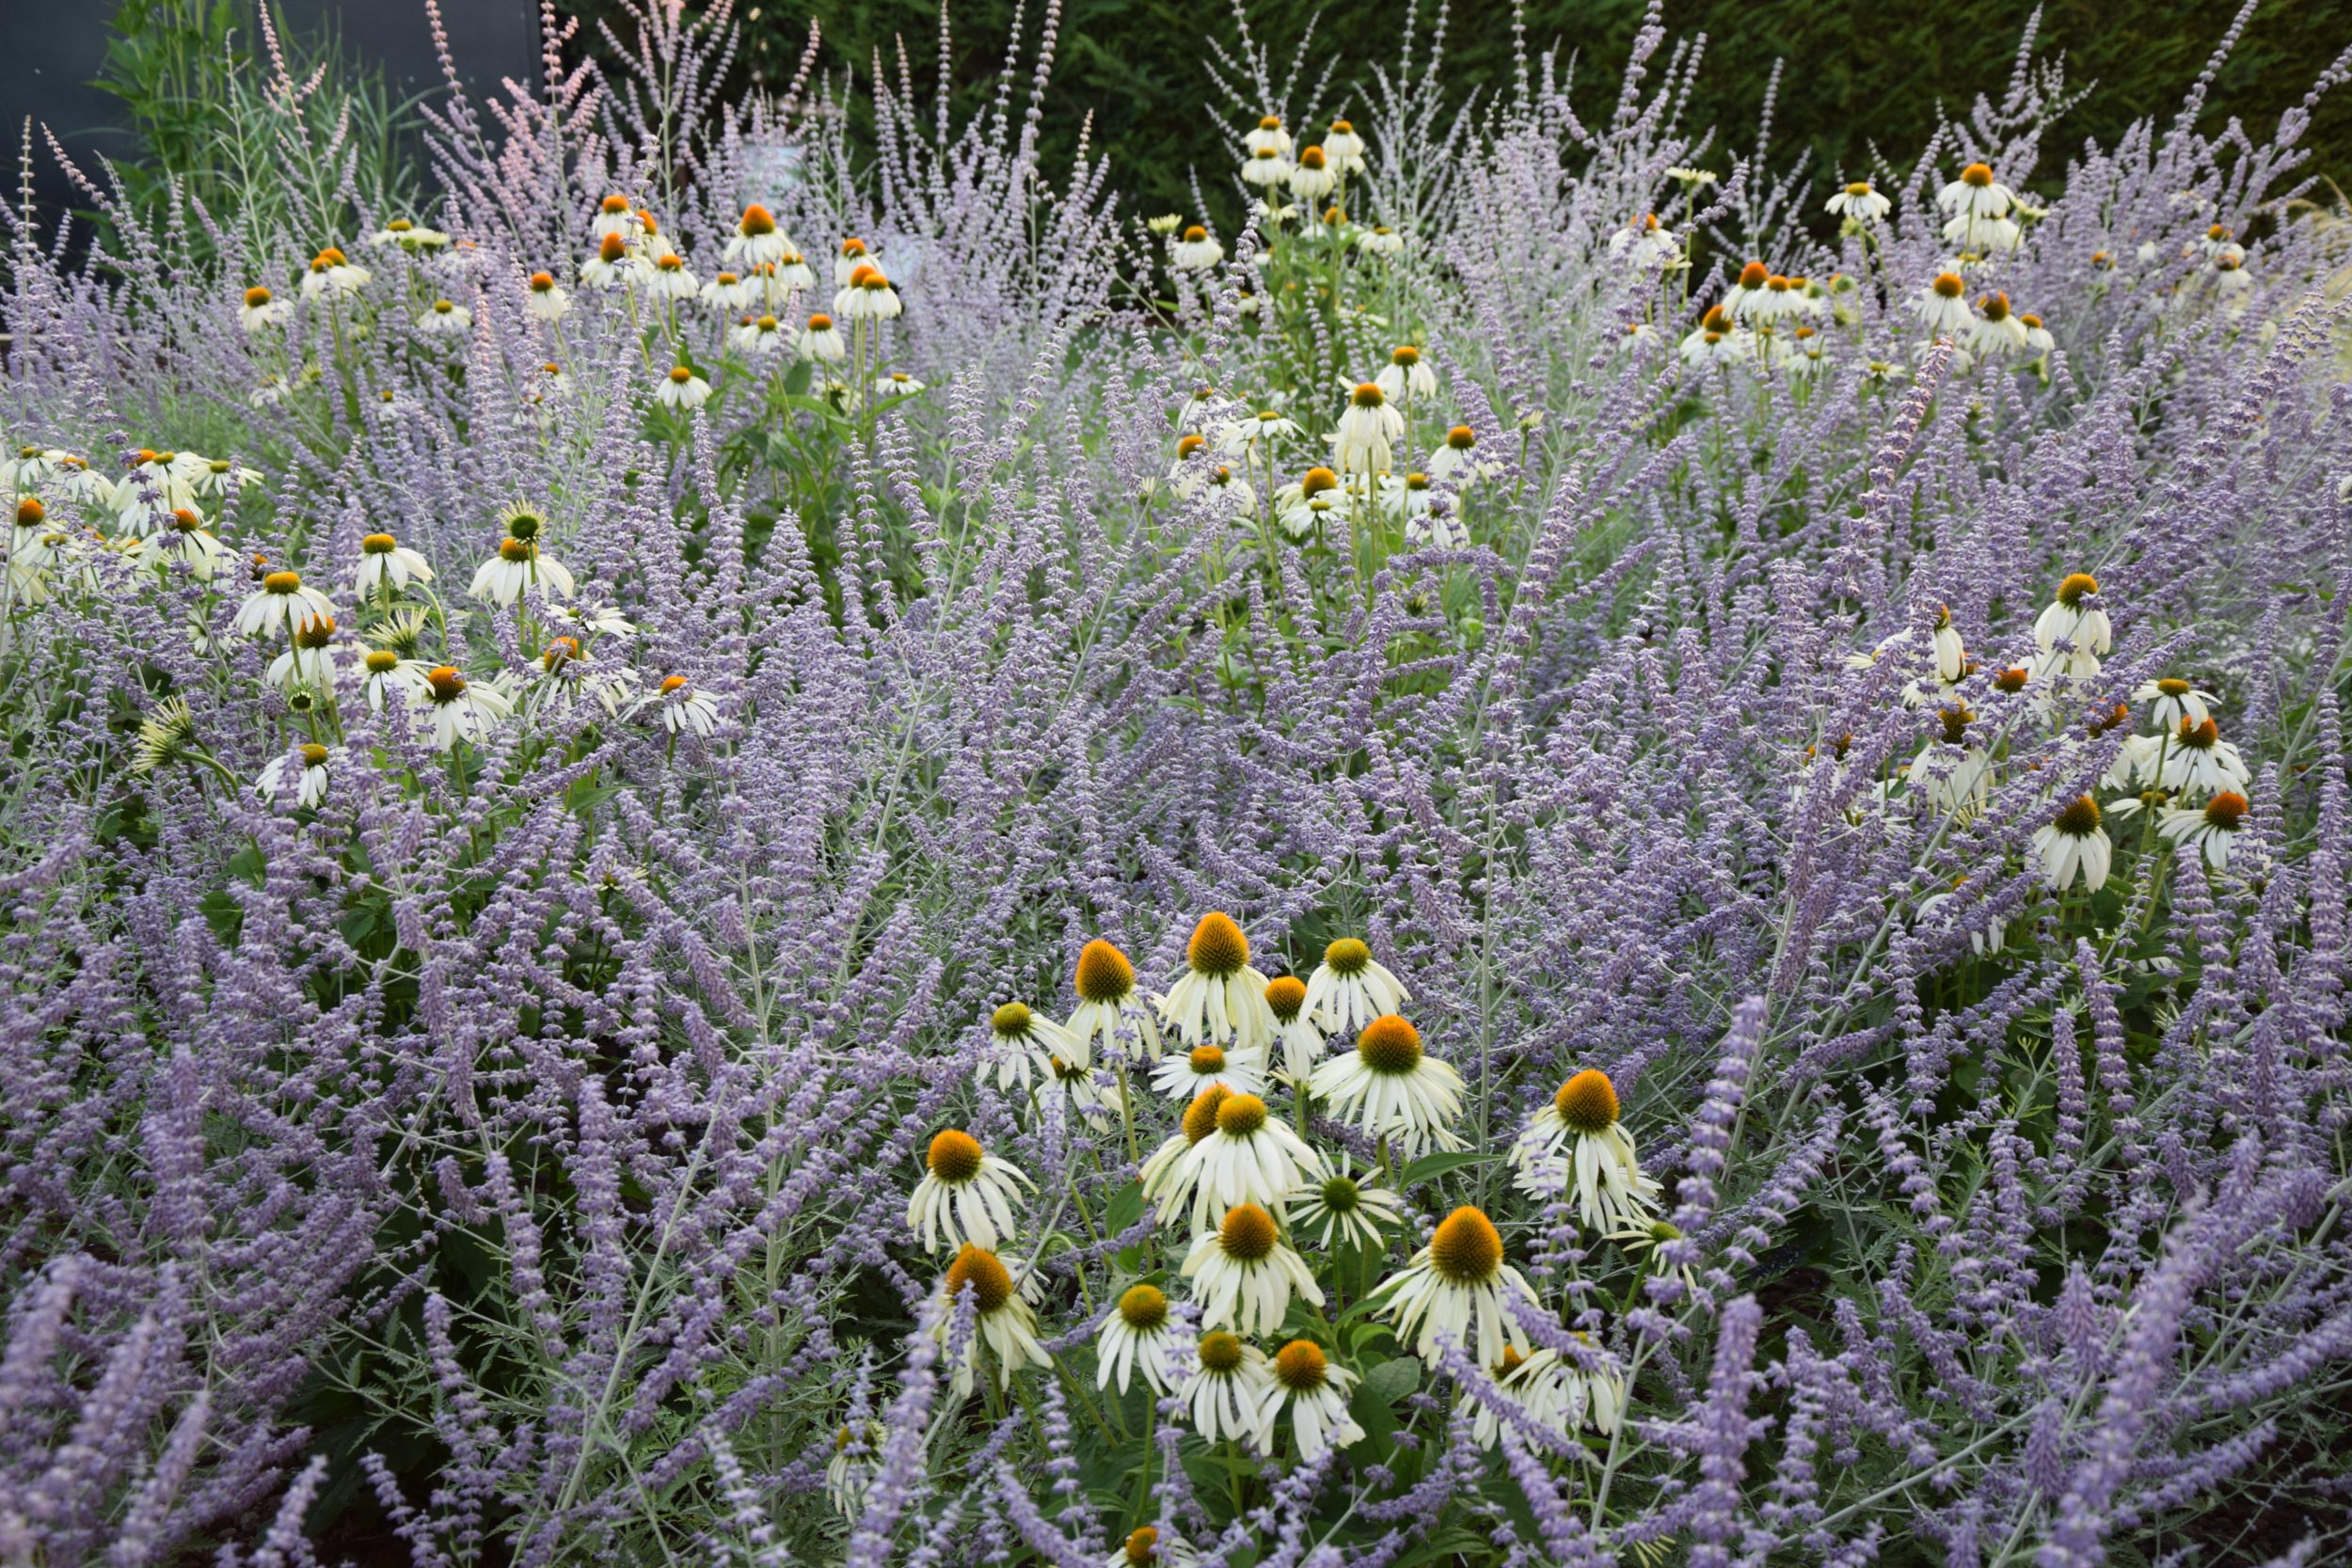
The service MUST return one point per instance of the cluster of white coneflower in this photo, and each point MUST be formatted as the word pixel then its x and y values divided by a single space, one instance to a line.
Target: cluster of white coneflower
pixel 1262 1204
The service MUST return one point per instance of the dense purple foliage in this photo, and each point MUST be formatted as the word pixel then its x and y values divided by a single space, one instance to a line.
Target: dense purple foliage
pixel 466 1064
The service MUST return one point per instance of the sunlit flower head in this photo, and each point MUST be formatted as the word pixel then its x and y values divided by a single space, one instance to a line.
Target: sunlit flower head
pixel 388 566
pixel 521 563
pixel 1351 988
pixel 1110 1011
pixel 544 298
pixel 332 275
pixel 461 709
pixel 2197 761
pixel 1136 1337
pixel 1346 1206
pixel 1248 1157
pixel 1004 1331
pixel 822 341
pixel 1575 1143
pixel 1299 1038
pixel 306 770
pixel 966 1195
pixel 1368 432
pixel 1391 1088
pixel 1243 1276
pixel 681 389
pixel 1218 997
pixel 1185 1074
pixel 1457 1288
pixel 2072 841
pixel 2213 827
pixel 1024 1044
pixel 1226 1391
pixel 262 309
pixel 283 599
pixel 2075 617
pixel 1860 202
pixel 1542 1389
pixel 1315 1389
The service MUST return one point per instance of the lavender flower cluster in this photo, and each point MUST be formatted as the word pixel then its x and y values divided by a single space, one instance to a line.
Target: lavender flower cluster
pixel 1587 851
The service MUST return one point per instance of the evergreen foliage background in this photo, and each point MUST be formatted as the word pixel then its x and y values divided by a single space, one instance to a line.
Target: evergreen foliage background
pixel 1136 65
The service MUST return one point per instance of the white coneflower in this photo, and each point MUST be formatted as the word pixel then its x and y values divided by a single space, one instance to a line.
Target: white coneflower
pixel 332 273
pixel 1003 1325
pixel 1976 194
pixel 1110 1011
pixel 616 215
pixel 1185 1076
pixel 1312 178
pixel 2213 827
pixel 2082 625
pixel 852 255
pixel 2074 840
pixel 1345 1207
pixel 446 318
pixel 895 383
pixel 1344 148
pixel 2197 761
pixel 1644 244
pixel 1602 1387
pixel 1350 988
pixel 1951 654
pixel 1135 1336
pixel 788 276
pixel 1942 307
pixel 304 662
pixel 389 675
pixel 1200 1120
pixel 1380 240
pixel 1367 433
pixel 727 294
pixel 1407 375
pixel 462 709
pixel 670 278
pixel 1392 1089
pixel 1248 1157
pixel 544 299
pixel 966 1195
pixel 685 710
pixel 1255 434
pixel 305 770
pixel 868 296
pixel 1995 328
pixel 166 736
pixel 1542 1390
pixel 1226 1390
pixel 186 539
pixel 1746 294
pixel 2229 271
pixel 757 238
pixel 1716 340
pixel 520 564
pixel 1218 997
pixel 1316 1392
pixel 1146 1548
pixel 1268 136
pixel 408 236
pixel 1301 506
pixel 2038 338
pixel 850 1471
pixel 613 265
pixel 1641 1236
pixel 1196 250
pixel 822 341
pixel 682 389
pixel 1027 1044
pixel 262 309
pixel 1860 202
pixel 386 563
pixel 1294 1028
pixel 1458 459
pixel 280 600
pixel 756 335
pixel 1244 1277
pixel 2175 701
pixel 1455 1288
pixel 1266 168
pixel 1955 775
pixel 1576 1139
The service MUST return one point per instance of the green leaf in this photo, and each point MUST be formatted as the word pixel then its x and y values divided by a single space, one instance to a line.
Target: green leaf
pixel 1430 1165
pixel 1392 1381
pixel 1126 1208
